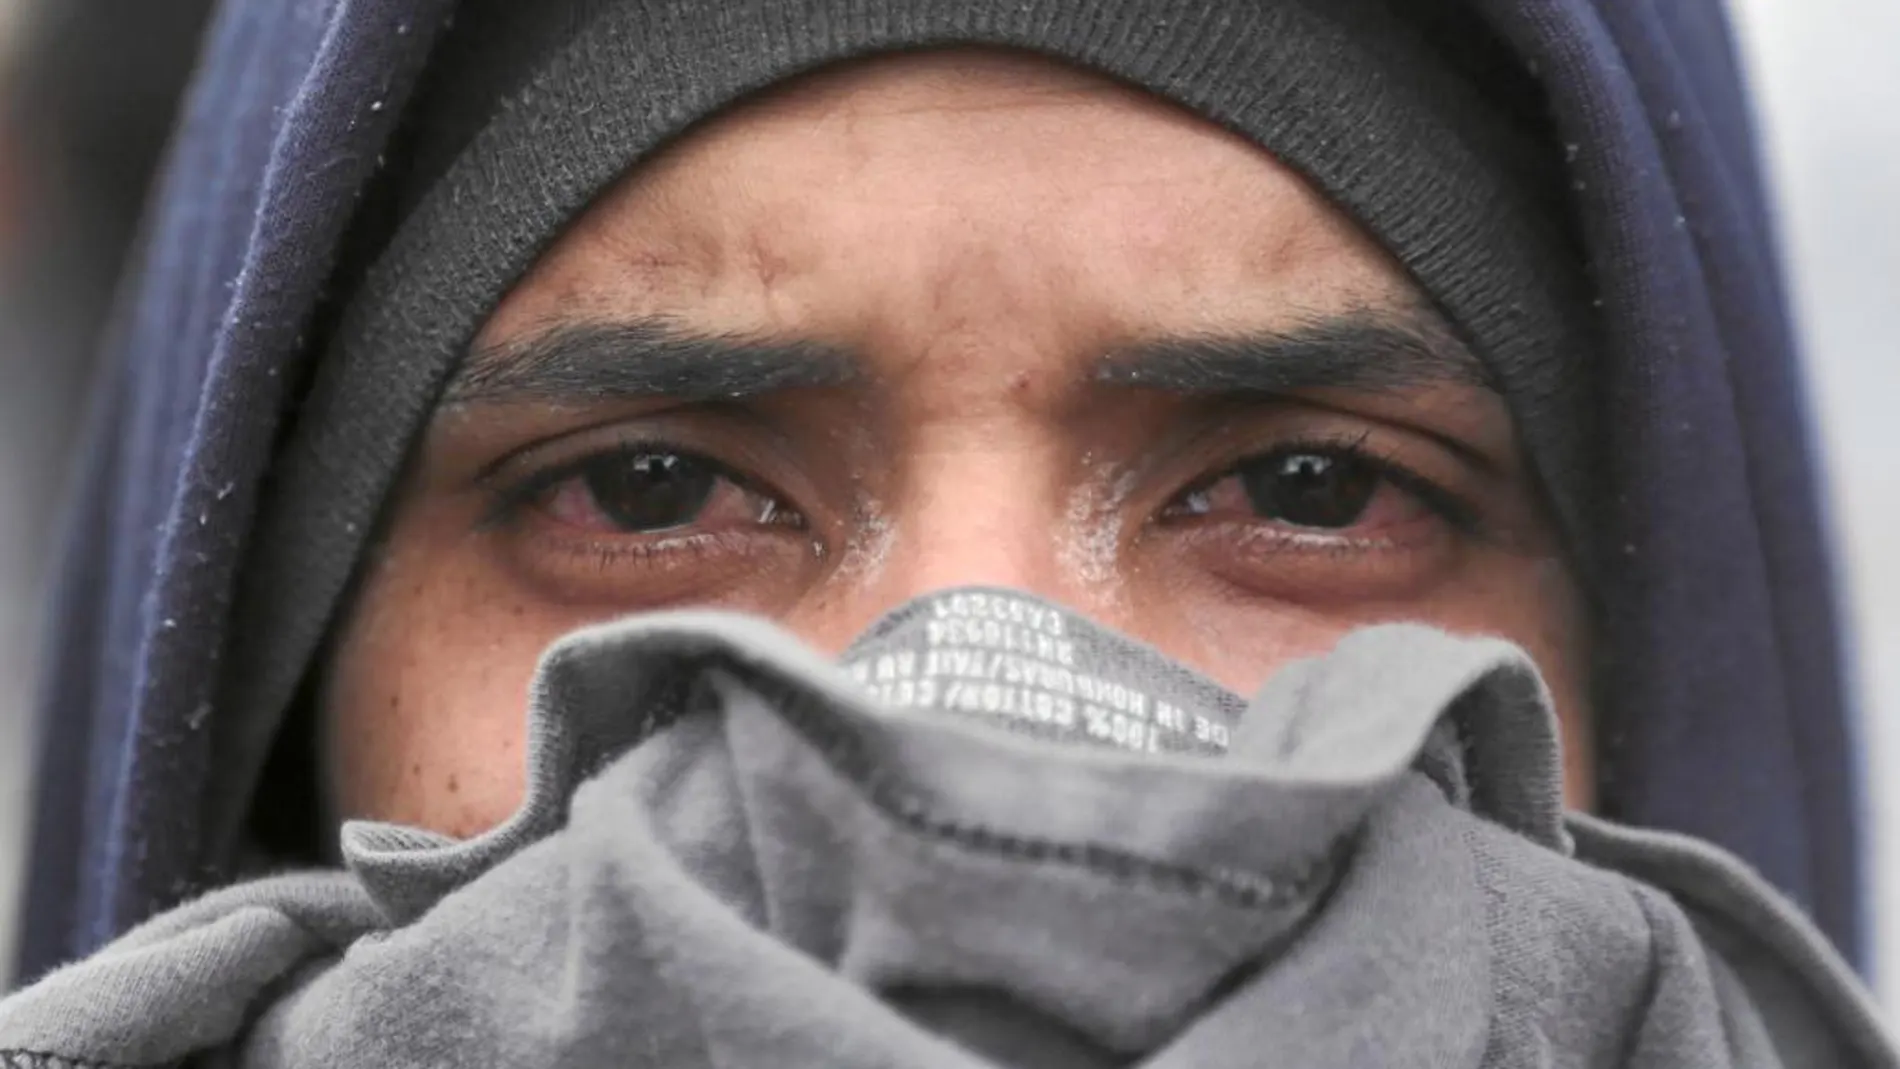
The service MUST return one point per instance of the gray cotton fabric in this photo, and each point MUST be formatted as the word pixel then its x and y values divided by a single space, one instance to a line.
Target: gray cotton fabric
pixel 996 836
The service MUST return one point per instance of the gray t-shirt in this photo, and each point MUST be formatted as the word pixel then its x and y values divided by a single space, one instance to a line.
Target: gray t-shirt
pixel 997 835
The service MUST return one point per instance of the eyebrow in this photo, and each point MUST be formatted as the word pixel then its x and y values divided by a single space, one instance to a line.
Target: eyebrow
pixel 592 362
pixel 1354 351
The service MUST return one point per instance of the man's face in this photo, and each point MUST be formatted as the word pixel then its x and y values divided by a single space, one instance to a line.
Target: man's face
pixel 928 321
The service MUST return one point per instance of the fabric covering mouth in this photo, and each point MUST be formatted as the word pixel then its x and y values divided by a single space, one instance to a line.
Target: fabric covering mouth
pixel 1104 803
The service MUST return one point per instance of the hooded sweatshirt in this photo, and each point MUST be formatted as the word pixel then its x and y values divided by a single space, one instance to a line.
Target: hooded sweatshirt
pixel 1725 718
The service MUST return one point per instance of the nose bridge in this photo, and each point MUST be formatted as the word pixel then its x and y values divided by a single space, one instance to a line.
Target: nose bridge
pixel 977 507
pixel 983 514
pixel 979 466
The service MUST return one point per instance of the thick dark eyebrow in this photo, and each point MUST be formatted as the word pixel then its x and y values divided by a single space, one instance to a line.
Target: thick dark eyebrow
pixel 1356 351
pixel 585 363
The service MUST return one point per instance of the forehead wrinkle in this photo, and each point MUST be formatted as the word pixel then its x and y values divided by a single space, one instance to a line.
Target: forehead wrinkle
pixel 746 247
pixel 726 230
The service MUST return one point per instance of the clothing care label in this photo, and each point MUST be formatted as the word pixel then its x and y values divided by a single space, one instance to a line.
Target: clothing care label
pixel 1035 667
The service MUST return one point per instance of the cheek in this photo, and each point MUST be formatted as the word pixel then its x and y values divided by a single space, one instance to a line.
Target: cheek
pixel 424 704
pixel 1554 627
pixel 1242 641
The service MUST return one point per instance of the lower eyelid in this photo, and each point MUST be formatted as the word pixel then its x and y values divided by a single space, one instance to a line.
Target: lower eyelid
pixel 643 546
pixel 1398 536
pixel 560 557
pixel 1306 566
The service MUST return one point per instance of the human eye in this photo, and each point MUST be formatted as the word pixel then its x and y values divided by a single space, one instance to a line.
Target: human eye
pixel 639 520
pixel 1336 489
pixel 637 489
pixel 1324 519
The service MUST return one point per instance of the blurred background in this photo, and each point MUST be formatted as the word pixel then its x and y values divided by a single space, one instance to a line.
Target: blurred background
pixel 87 91
pixel 87 94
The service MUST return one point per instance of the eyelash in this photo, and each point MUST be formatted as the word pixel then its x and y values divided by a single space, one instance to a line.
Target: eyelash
pixel 1451 507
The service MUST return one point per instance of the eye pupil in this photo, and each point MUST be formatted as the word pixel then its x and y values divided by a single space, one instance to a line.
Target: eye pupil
pixel 1310 489
pixel 651 491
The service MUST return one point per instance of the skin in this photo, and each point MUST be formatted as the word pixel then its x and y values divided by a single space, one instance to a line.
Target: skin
pixel 975 230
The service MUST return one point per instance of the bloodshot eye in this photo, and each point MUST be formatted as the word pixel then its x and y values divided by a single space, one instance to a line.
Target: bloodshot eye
pixel 1321 490
pixel 653 491
pixel 1317 523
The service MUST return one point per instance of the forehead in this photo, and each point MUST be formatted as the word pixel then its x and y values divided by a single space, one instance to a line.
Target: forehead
pixel 923 190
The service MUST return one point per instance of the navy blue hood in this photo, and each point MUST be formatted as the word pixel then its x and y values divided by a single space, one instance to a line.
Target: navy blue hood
pixel 1722 712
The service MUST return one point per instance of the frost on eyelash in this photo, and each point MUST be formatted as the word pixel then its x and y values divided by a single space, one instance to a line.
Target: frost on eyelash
pixel 870 546
pixel 1091 531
